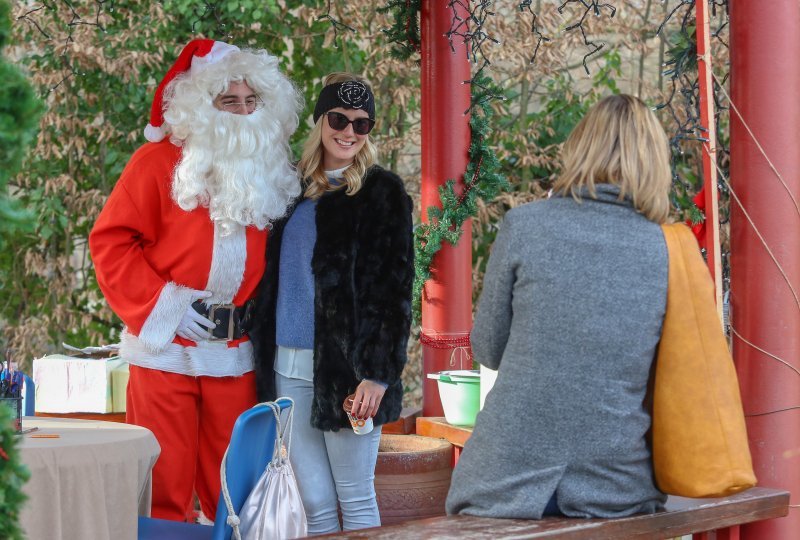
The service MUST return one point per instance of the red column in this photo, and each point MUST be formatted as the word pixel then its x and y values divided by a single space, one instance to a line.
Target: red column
pixel 447 297
pixel 765 88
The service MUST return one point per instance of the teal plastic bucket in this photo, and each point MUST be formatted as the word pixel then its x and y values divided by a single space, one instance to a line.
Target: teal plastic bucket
pixel 459 392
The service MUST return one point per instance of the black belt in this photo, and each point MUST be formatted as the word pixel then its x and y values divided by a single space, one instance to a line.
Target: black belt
pixel 232 322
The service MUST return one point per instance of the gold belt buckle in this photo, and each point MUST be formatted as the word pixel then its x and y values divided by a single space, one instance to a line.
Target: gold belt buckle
pixel 212 310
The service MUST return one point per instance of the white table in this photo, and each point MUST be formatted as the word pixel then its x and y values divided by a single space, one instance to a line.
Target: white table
pixel 89 483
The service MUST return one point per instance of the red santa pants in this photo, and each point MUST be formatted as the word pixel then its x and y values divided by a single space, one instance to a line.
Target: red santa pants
pixel 192 418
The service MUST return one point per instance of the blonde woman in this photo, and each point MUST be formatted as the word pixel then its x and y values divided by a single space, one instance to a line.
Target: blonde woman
pixel 335 307
pixel 570 314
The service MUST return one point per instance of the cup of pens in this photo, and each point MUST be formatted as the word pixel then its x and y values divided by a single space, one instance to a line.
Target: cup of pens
pixel 11 394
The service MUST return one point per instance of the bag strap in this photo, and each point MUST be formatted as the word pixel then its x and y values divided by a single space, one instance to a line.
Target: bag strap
pixel 283 431
pixel 276 448
pixel 233 519
pixel 280 433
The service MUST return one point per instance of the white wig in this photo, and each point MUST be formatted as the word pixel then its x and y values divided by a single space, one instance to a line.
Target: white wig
pixel 239 166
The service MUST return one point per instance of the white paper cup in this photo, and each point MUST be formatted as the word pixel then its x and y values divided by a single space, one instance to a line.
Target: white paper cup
pixel 361 426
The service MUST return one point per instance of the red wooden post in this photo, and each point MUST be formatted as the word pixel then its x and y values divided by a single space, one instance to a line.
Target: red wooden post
pixel 709 148
pixel 447 297
pixel 765 89
pixel 713 249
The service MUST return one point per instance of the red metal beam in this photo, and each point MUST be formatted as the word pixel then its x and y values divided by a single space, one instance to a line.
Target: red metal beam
pixel 447 297
pixel 765 85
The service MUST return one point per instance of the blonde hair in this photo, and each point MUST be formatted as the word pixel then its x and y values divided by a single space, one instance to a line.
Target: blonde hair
pixel 310 167
pixel 620 142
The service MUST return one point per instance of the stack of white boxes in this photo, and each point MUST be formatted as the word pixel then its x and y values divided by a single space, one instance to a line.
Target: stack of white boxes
pixel 70 384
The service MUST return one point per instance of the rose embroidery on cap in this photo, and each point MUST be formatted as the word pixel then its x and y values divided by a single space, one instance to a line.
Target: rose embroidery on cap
pixel 354 94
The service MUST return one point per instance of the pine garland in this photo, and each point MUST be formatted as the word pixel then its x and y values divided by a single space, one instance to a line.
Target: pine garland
pixel 13 474
pixel 481 180
pixel 404 32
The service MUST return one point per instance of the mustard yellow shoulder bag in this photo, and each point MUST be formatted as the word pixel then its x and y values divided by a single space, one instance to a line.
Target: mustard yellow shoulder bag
pixel 699 436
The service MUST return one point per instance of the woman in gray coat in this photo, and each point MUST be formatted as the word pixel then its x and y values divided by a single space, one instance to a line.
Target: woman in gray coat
pixel 570 314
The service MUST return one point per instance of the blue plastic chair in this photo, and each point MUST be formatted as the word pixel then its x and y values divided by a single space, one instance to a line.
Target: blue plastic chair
pixel 250 450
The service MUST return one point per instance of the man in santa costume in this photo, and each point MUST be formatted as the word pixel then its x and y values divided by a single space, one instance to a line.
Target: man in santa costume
pixel 179 251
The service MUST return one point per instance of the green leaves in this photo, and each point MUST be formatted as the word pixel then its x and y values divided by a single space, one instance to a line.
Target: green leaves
pixel 13 474
pixel 19 117
pixel 5 22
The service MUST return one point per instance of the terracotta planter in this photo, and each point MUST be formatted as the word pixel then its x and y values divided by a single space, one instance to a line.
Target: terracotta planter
pixel 412 477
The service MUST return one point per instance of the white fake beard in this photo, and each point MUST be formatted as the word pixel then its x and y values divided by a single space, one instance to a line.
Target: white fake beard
pixel 237 166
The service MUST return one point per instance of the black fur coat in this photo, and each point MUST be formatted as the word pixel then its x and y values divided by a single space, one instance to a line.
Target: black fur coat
pixel 363 271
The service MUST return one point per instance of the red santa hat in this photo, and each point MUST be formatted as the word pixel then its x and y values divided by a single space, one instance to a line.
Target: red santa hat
pixel 197 54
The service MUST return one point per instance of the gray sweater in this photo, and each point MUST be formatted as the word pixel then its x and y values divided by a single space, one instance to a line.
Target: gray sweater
pixel 571 312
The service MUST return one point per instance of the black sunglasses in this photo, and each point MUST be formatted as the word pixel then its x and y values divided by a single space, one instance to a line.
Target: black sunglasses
pixel 338 122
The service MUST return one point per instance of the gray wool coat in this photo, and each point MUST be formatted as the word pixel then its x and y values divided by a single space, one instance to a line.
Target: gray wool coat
pixel 571 312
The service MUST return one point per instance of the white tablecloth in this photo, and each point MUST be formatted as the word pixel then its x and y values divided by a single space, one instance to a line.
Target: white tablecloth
pixel 90 483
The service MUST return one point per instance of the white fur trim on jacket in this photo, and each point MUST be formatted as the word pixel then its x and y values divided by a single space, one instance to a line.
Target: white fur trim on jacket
pixel 159 328
pixel 227 263
pixel 208 358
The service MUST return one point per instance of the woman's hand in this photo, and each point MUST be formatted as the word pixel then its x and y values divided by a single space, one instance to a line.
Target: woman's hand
pixel 367 398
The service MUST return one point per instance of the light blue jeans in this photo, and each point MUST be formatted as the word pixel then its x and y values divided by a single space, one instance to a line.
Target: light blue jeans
pixel 331 467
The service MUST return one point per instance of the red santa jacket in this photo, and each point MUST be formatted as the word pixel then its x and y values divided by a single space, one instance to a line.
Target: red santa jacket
pixel 150 256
